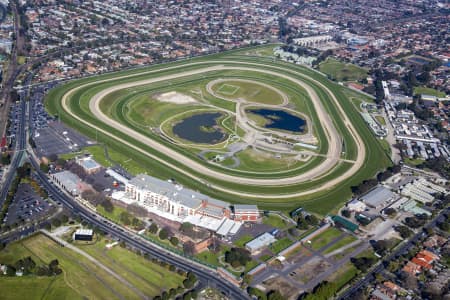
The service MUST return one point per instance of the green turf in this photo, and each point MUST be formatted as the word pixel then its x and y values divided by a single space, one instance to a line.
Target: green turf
pixel 243 240
pixel 148 277
pixel 343 242
pixel 342 71
pixel 275 221
pixel 82 278
pixel 324 238
pixel 280 245
pixel 421 90
pixel 249 91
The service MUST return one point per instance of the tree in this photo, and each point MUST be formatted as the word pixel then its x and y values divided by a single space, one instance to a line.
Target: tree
pixel 275 295
pixel 390 211
pixel 64 219
pixel 153 228
pixel 125 218
pixel 6 159
pixel 237 257
pixel 189 248
pixel 404 231
pixel 362 263
pixel 163 234
pixel 107 205
pixel 44 167
pixel 56 222
pixel 174 241
pixel 346 213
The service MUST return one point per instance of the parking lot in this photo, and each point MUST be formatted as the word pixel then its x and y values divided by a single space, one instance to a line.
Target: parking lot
pixel 27 206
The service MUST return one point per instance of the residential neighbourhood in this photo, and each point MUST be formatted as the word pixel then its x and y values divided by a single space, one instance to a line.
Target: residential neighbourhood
pixel 140 213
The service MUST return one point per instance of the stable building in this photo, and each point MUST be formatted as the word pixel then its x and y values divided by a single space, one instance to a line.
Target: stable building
pixel 260 242
pixel 378 197
pixel 83 235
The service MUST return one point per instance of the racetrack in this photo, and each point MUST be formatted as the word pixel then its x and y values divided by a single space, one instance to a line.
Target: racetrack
pixel 185 163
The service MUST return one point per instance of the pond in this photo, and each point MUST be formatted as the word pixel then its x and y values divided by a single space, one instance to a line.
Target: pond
pixel 280 119
pixel 200 128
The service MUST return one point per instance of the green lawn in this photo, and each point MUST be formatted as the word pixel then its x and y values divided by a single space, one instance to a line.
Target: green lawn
pixel 80 279
pixel 114 215
pixel 280 245
pixel 148 277
pixel 421 90
pixel 381 120
pixel 275 221
pixel 342 71
pixel 243 240
pixel 346 273
pixel 325 238
pixel 413 161
pixel 343 242
pixel 250 91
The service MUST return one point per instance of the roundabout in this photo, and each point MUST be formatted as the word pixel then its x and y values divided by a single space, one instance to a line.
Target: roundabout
pixel 241 129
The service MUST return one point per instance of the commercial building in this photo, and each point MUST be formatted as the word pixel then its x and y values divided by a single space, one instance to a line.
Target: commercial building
pixel 83 235
pixel 68 181
pixel 174 202
pixel 89 165
pixel 245 212
pixel 260 242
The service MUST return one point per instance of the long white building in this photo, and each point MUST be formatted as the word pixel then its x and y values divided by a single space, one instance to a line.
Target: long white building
pixel 176 203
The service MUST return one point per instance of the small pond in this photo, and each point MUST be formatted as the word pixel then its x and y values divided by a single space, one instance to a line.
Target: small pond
pixel 201 128
pixel 280 119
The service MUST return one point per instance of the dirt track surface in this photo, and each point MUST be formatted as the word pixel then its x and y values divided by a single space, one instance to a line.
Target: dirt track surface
pixel 331 133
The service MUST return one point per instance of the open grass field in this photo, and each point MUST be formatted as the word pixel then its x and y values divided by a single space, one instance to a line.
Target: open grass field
pixel 342 71
pixel 250 91
pixel 275 221
pixel 148 277
pixel 325 238
pixel 277 197
pixel 81 278
pixel 343 242
pixel 421 90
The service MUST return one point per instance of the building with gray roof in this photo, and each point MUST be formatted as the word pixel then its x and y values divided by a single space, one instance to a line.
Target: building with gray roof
pixel 378 197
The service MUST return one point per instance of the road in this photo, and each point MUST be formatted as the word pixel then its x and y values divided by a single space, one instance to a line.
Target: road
pixel 331 133
pixel 379 268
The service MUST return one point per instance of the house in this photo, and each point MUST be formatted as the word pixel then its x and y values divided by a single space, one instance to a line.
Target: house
pixel 83 235
pixel 412 268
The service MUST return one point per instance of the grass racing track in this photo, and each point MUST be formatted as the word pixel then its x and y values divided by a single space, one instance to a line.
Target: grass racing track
pixel 320 188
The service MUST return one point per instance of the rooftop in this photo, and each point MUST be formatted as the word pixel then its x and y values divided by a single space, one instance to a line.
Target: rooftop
pixel 377 196
pixel 261 241
pixel 176 192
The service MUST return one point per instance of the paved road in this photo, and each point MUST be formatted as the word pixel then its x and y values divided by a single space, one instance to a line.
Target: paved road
pixel 330 131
